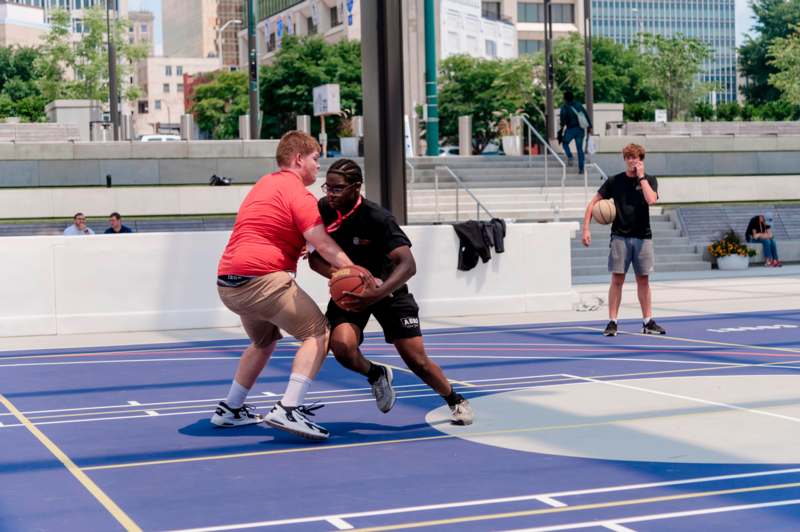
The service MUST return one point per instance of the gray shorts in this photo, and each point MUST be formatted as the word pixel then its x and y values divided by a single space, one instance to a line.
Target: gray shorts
pixel 625 250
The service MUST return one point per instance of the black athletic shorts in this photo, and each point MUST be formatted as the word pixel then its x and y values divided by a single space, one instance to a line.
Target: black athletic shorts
pixel 397 315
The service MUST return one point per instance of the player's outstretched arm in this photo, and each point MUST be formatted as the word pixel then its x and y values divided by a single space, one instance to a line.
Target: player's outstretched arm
pixel 320 265
pixel 326 247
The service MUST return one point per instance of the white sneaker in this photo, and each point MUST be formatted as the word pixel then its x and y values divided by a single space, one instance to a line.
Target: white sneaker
pixel 382 390
pixel 293 419
pixel 461 413
pixel 226 416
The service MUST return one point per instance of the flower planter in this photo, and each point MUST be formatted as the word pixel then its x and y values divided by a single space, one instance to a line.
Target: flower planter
pixel 733 262
pixel 349 146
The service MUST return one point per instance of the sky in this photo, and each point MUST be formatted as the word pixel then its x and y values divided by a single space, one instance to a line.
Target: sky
pixel 744 21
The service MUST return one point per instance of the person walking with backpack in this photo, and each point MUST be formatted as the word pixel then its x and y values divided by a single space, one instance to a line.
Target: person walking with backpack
pixel 575 125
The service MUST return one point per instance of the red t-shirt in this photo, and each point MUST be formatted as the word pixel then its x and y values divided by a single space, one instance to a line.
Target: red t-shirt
pixel 268 234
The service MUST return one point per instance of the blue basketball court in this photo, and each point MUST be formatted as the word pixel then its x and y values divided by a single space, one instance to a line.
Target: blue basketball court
pixel 694 430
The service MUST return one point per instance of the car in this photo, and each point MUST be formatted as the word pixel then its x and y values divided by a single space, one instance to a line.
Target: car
pixel 160 138
pixel 448 151
pixel 492 149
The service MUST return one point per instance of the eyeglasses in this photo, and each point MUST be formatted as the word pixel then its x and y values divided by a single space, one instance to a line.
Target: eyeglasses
pixel 336 189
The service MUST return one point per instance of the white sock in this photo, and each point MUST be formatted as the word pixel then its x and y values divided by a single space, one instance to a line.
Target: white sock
pixel 236 395
pixel 295 390
pixel 613 321
pixel 647 319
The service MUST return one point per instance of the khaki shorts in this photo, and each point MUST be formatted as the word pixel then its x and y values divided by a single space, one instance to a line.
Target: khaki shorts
pixel 273 302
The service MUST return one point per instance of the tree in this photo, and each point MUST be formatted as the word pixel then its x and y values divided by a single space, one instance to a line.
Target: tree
pixel 487 90
pixel 784 54
pixel 300 65
pixel 220 102
pixel 87 60
pixel 673 63
pixel 19 90
pixel 774 19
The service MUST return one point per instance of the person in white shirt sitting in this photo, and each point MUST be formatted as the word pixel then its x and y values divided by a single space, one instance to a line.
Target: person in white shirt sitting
pixel 79 226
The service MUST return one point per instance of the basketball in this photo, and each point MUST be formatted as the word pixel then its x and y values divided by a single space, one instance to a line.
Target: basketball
pixel 347 279
pixel 604 212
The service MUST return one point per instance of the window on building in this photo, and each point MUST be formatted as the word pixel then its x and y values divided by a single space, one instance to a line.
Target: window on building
pixel 179 70
pixel 491 48
pixel 180 87
pixel 143 28
pixel 490 10
pixel 271 42
pixel 335 17
pixel 78 25
pixel 130 29
pixel 168 70
pixel 166 87
pixel 312 29
pixel 158 105
pixel 530 46
pixel 563 13
pixel 530 12
pixel 130 40
pixel 143 105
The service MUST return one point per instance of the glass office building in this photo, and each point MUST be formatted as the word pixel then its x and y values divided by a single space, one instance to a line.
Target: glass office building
pixel 710 21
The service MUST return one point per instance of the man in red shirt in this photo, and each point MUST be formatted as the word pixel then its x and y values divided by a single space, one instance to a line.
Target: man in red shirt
pixel 255 280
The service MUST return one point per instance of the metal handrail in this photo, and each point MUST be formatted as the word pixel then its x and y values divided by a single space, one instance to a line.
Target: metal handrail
pixel 459 185
pixel 586 178
pixel 410 192
pixel 547 147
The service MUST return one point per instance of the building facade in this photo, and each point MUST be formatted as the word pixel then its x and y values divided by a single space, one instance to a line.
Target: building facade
pixel 189 28
pixel 230 15
pixel 142 28
pixel 710 21
pixel 161 79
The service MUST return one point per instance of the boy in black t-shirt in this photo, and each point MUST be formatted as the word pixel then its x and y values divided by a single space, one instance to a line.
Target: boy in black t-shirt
pixel 371 237
pixel 633 192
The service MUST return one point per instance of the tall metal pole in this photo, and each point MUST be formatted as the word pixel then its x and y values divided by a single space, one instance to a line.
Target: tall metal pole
pixel 587 57
pixel 548 61
pixel 112 75
pixel 253 62
pixel 431 90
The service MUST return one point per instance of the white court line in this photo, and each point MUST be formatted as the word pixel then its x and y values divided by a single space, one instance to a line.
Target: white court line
pixel 617 528
pixel 481 502
pixel 656 517
pixel 151 413
pixel 549 501
pixel 688 398
pixel 340 524
pixel 132 403
pixel 214 400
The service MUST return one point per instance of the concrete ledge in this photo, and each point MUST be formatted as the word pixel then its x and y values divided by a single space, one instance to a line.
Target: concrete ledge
pixel 260 148
pixel 788 251
pixel 44 150
pixel 728 188
pixel 218 149
pixel 159 150
pixel 744 143
pixel 103 150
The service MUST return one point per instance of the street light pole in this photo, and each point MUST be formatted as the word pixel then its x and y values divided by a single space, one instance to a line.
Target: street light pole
pixel 549 74
pixel 219 39
pixel 641 28
pixel 587 57
pixel 112 75
pixel 253 64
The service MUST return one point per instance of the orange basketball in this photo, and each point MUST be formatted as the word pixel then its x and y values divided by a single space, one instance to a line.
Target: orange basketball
pixel 347 279
pixel 604 212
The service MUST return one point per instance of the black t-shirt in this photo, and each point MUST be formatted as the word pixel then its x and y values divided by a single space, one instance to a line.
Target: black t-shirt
pixel 755 226
pixel 367 236
pixel 633 212
pixel 122 229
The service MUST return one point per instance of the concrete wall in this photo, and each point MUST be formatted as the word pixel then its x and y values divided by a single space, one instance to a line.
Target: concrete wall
pixel 705 156
pixel 133 163
pixel 162 281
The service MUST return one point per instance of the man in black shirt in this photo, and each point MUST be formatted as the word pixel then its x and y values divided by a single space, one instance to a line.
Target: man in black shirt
pixel 633 192
pixel 115 221
pixel 371 237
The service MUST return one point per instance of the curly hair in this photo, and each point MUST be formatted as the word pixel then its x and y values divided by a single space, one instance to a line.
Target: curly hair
pixel 348 169
pixel 633 149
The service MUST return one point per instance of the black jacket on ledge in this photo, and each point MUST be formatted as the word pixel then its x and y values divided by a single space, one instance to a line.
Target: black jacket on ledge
pixel 475 239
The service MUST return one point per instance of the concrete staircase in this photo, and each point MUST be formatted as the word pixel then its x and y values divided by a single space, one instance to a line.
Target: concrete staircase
pixel 673 252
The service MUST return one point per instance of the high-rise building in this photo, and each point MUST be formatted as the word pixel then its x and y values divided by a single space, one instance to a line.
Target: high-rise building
pixel 710 21
pixel 229 11
pixel 142 28
pixel 527 16
pixel 190 28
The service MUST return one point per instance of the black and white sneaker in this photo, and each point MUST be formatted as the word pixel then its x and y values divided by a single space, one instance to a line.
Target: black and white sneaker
pixel 611 329
pixel 651 327
pixel 293 419
pixel 226 416
pixel 382 389
pixel 461 413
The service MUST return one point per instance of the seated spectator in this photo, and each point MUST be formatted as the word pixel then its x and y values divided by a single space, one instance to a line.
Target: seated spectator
pixel 78 226
pixel 116 225
pixel 759 231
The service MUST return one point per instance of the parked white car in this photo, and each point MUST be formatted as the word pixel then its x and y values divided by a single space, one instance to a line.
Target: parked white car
pixel 160 138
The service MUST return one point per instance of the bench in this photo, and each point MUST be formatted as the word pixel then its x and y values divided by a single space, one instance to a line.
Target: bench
pixel 788 251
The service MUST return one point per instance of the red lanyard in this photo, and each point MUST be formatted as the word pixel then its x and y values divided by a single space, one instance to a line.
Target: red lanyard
pixel 339 218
